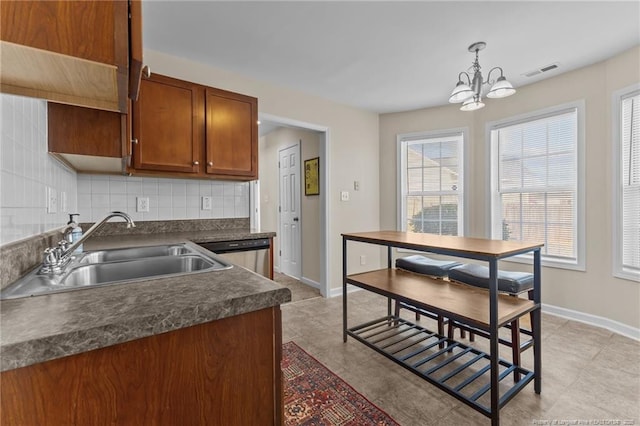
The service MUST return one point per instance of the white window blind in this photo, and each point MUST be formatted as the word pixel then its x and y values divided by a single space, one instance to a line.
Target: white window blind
pixel 431 184
pixel 629 183
pixel 536 183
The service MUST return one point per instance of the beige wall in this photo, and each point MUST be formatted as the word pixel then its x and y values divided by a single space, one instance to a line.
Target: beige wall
pixel 270 145
pixel 352 147
pixel 594 291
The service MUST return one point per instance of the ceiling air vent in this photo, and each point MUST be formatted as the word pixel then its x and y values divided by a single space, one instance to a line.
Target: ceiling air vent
pixel 541 70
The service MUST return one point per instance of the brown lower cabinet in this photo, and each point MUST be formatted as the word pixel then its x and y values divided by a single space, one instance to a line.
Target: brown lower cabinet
pixel 224 372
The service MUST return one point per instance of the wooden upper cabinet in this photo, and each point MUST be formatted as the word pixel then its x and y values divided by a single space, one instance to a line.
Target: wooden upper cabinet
pixel 189 130
pixel 84 131
pixel 231 133
pixel 74 28
pixel 87 139
pixel 73 52
pixel 167 125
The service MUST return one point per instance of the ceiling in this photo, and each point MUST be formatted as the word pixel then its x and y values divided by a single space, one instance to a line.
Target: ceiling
pixel 388 56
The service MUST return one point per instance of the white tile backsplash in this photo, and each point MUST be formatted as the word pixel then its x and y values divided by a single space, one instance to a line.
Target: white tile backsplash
pixel 27 169
pixel 168 198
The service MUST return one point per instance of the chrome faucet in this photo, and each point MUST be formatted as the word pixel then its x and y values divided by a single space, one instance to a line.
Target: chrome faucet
pixel 55 258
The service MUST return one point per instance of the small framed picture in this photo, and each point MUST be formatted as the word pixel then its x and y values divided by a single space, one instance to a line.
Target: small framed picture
pixel 311 181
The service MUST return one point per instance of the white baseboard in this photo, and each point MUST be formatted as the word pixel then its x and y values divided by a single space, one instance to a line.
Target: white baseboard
pixel 611 325
pixel 310 282
pixel 335 292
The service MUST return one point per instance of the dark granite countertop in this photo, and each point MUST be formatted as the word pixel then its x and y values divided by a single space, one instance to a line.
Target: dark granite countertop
pixel 42 328
pixel 110 241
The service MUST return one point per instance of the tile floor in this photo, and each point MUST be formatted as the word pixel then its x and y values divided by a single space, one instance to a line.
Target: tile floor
pixel 299 290
pixel 589 375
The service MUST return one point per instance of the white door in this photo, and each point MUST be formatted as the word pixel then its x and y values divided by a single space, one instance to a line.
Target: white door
pixel 289 238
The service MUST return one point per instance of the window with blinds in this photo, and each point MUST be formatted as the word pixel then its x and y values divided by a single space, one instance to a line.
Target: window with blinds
pixel 628 186
pixel 535 183
pixel 431 199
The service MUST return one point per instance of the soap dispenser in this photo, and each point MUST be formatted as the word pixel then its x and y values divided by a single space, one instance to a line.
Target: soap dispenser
pixel 76 232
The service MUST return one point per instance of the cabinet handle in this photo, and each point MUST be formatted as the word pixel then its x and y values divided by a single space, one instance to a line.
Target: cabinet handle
pixel 146 71
pixel 134 141
pixel 210 163
pixel 195 163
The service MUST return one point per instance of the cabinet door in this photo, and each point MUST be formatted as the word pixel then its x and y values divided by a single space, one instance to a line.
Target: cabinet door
pixel 62 32
pixel 96 31
pixel 167 125
pixel 135 48
pixel 231 134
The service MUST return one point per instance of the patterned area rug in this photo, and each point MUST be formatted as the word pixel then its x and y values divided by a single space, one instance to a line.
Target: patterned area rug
pixel 313 395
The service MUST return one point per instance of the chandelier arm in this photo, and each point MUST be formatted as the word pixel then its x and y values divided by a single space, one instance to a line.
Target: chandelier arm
pixel 468 78
pixel 489 81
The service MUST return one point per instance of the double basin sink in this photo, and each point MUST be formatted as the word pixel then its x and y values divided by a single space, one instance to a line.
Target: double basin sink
pixel 98 268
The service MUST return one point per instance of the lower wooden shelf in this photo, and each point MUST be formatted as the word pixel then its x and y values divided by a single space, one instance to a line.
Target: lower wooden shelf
pixel 462 371
pixel 467 304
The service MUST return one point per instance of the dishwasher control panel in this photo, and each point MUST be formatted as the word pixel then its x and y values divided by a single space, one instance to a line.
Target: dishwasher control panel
pixel 238 245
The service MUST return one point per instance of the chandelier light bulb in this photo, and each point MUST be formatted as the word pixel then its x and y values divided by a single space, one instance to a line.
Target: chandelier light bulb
pixel 501 89
pixel 461 93
pixel 472 104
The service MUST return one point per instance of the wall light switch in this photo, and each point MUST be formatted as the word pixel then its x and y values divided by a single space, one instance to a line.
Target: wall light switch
pixel 344 196
pixel 206 203
pixel 142 204
pixel 356 185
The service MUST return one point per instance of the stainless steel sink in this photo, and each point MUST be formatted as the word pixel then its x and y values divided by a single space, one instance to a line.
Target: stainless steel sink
pixel 99 273
pixel 133 253
pixel 105 267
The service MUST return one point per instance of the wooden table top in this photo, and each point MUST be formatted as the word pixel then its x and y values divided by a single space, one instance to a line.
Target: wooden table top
pixel 445 243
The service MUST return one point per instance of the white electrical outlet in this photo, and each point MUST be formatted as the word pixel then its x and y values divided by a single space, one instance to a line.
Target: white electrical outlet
pixel 363 259
pixel 206 203
pixel 52 200
pixel 344 196
pixel 142 204
pixel 356 185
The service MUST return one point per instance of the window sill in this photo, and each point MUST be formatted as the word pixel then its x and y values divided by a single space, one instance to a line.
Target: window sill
pixel 558 264
pixel 627 275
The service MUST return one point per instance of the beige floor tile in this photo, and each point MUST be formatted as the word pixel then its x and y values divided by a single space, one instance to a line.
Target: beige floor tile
pixel 299 290
pixel 588 373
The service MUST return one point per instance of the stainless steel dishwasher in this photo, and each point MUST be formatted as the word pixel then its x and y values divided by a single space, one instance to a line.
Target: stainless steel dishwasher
pixel 254 255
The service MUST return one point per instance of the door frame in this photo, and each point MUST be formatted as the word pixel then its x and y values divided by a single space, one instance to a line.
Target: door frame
pixel 324 178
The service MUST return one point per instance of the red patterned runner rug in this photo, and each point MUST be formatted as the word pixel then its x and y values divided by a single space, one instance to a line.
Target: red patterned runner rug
pixel 313 395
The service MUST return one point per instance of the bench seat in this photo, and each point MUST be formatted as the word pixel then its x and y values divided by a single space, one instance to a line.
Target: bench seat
pixel 478 276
